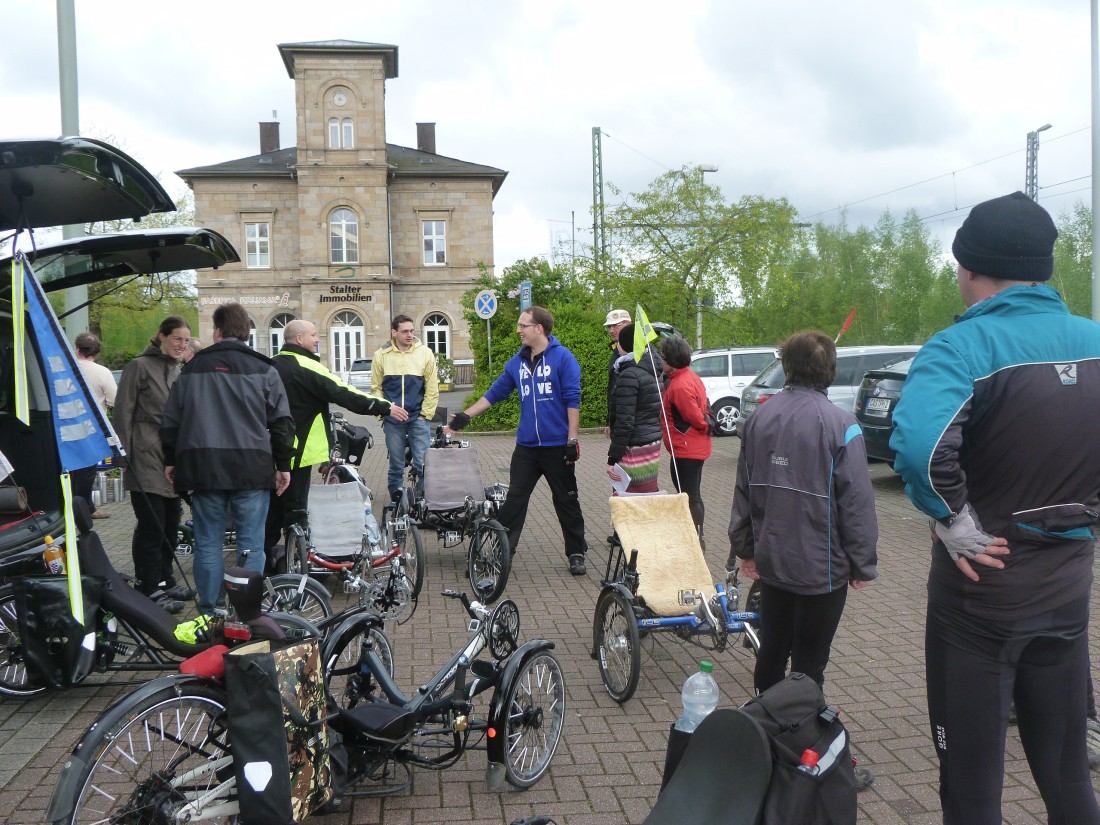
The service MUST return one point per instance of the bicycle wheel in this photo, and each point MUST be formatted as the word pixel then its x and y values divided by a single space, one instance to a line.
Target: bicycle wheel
pixel 489 561
pixel 296 559
pixel 300 595
pixel 167 751
pixel 616 642
pixel 347 686
pixel 408 539
pixel 13 672
pixel 752 605
pixel 534 716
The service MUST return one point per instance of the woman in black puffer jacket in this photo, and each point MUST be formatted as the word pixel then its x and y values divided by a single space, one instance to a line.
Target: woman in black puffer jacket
pixel 634 412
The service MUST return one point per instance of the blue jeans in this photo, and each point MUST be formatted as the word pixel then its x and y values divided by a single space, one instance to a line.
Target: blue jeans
pixel 418 434
pixel 212 510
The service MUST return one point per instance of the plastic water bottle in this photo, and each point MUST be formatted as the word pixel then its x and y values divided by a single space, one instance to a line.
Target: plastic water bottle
pixel 371 525
pixel 700 696
pixel 808 763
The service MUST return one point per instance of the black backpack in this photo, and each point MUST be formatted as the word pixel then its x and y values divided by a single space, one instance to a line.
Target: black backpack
pixel 796 718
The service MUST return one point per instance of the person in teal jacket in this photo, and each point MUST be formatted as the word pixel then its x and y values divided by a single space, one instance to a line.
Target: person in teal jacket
pixel 997 441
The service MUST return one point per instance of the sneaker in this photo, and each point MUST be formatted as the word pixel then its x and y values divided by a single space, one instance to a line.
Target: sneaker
pixel 865 778
pixel 1092 741
pixel 100 514
pixel 576 565
pixel 184 594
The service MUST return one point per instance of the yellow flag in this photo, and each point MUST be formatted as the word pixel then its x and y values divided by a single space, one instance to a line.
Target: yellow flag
pixel 19 323
pixel 643 332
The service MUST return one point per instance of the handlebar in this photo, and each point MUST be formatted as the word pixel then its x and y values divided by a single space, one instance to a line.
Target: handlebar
pixel 476 610
pixel 443 440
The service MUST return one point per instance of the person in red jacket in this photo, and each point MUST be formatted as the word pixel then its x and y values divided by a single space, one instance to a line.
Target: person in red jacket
pixel 686 436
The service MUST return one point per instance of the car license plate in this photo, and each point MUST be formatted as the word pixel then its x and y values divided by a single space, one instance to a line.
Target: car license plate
pixel 878 406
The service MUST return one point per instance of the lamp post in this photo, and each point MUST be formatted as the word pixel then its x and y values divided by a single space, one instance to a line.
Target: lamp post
pixel 1031 175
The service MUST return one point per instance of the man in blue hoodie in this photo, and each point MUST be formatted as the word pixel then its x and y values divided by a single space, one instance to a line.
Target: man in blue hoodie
pixel 548 379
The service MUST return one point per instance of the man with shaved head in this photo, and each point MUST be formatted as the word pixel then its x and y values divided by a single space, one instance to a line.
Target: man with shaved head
pixel 310 388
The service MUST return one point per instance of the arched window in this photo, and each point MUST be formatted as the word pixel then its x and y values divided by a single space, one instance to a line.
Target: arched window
pixel 437 334
pixel 341 133
pixel 278 323
pixel 343 235
pixel 346 335
pixel 251 333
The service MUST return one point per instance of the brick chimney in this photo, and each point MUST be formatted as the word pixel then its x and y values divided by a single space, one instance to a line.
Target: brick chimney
pixel 269 137
pixel 425 137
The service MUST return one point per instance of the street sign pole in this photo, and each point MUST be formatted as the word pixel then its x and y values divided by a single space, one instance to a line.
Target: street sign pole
pixel 485 305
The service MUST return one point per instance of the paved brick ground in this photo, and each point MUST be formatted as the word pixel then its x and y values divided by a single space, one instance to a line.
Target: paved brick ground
pixel 607 769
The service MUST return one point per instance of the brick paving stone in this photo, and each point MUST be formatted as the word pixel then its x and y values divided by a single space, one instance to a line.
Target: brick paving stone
pixel 608 766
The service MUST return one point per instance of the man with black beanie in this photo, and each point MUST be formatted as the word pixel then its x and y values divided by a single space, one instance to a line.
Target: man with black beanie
pixel 997 441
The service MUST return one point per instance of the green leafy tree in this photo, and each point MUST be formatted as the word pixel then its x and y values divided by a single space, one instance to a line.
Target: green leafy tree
pixel 1073 260
pixel 679 241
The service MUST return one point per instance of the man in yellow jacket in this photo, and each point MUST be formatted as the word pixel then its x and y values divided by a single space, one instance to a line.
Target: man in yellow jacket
pixel 310 388
pixel 403 372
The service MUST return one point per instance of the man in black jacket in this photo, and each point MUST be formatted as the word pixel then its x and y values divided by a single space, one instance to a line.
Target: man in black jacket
pixel 228 438
pixel 310 388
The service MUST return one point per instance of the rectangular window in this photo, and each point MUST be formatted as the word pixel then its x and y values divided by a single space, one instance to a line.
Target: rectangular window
pixel 257 242
pixel 435 243
pixel 348 134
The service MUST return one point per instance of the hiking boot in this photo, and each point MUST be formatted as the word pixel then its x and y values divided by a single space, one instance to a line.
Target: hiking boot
pixel 576 565
pixel 179 592
pixel 865 778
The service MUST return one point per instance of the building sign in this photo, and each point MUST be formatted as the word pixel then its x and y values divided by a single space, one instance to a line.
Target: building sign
pixel 344 293
pixel 247 300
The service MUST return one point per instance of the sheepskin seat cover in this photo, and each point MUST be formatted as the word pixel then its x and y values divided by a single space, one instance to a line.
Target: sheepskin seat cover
pixel 670 559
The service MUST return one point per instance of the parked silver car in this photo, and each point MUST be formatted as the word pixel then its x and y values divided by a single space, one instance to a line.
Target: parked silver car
pixel 851 364
pixel 725 373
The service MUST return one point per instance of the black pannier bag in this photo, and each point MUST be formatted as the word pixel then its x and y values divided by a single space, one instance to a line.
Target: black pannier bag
pixel 796 718
pixel 353 447
pixel 281 745
pixel 58 651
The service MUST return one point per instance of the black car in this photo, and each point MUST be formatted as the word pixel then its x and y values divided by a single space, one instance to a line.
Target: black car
pixel 876 400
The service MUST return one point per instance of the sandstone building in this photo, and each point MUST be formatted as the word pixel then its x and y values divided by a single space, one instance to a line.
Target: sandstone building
pixel 345 229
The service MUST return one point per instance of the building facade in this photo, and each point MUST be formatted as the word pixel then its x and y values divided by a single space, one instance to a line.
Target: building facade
pixel 346 230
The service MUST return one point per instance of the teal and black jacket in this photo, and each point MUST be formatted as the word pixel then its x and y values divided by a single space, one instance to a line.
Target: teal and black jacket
pixel 1001 411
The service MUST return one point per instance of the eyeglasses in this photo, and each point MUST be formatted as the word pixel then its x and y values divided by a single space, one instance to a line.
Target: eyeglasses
pixel 525 326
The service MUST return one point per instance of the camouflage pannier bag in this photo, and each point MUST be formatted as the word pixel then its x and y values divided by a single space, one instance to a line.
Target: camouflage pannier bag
pixel 277 733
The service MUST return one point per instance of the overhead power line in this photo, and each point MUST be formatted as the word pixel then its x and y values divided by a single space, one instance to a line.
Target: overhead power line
pixel 944 175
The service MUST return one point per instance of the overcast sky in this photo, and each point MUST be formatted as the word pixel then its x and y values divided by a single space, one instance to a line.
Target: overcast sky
pixel 826 104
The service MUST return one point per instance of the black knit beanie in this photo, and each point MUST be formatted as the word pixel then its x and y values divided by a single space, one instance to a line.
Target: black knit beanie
pixel 1010 237
pixel 626 338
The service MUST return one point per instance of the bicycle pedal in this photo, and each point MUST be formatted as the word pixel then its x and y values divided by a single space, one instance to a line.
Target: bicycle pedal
pixel 452 538
pixel 351 587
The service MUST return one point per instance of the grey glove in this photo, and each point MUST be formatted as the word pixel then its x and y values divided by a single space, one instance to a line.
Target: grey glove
pixel 964 537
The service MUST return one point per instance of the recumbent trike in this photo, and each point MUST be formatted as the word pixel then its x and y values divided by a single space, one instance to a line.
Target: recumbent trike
pixel 657 581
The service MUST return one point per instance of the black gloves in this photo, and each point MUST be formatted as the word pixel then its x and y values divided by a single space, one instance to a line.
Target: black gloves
pixel 459 420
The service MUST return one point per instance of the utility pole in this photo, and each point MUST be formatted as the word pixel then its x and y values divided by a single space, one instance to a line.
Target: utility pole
pixel 599 231
pixel 1031 173
pixel 76 322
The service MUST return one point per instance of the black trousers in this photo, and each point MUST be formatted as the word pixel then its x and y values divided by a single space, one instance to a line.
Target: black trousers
pixel 687 475
pixel 82 482
pixel 154 544
pixel 976 669
pixel 282 510
pixel 799 628
pixel 529 464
